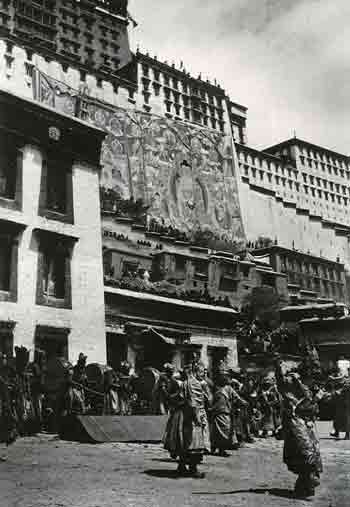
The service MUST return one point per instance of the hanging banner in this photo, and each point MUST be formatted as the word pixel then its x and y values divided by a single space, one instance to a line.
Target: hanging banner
pixel 184 174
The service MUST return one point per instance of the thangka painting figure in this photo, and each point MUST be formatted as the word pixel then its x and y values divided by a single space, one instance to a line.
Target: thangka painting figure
pixel 184 174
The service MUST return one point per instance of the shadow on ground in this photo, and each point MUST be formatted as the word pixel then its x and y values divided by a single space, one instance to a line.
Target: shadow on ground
pixel 164 460
pixel 163 474
pixel 282 493
pixel 279 492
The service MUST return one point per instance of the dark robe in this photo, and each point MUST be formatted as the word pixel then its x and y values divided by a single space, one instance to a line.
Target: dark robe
pixel 342 407
pixel 125 394
pixel 37 388
pixel 270 404
pixel 24 405
pixel 73 400
pixel 161 395
pixel 223 424
pixel 187 432
pixel 111 398
pixel 301 451
pixel 8 419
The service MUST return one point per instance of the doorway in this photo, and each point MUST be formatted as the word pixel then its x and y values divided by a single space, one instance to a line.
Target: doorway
pixel 216 356
pixel 156 350
pixel 53 341
pixel 117 350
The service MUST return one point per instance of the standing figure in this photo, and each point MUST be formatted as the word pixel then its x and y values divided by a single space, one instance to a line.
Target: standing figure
pixel 270 406
pixel 23 397
pixel 255 416
pixel 111 387
pixel 125 389
pixel 160 393
pixel 38 371
pixel 79 370
pixel 342 407
pixel 301 451
pixel 243 416
pixel 8 420
pixel 225 402
pixel 187 432
pixel 73 402
pixel 201 376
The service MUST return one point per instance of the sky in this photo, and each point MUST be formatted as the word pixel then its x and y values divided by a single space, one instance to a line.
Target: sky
pixel 288 61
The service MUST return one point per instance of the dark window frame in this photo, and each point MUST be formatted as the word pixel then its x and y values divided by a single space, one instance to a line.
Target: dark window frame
pixel 10 142
pixel 52 162
pixel 55 335
pixel 7 337
pixel 228 284
pixel 10 235
pixel 54 245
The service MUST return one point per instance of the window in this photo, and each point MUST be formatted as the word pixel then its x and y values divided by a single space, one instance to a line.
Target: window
pixel 245 271
pixel 5 264
pixel 56 188
pixel 156 89
pixel 201 268
pixel 56 195
pixel 180 264
pixel 130 268
pixel 227 284
pixel 10 171
pixel 54 275
pixel 54 341
pixel 6 337
pixel 54 269
pixel 268 279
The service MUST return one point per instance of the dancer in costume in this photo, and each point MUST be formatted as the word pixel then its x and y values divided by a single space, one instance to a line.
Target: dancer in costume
pixel 301 451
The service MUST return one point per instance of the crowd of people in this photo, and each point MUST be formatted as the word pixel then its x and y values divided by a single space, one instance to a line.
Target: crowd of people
pixel 141 281
pixel 34 396
pixel 206 415
pixel 210 418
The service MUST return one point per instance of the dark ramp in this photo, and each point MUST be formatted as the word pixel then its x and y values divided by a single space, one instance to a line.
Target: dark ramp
pixel 110 428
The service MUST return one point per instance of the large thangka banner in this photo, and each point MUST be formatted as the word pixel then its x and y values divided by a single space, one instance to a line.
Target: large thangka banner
pixel 183 173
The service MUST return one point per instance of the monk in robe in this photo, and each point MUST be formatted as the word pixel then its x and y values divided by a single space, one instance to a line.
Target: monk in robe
pixel 187 432
pixel 111 397
pixel 161 390
pixel 225 402
pixel 73 402
pixel 38 371
pixel 342 407
pixel 270 406
pixel 201 375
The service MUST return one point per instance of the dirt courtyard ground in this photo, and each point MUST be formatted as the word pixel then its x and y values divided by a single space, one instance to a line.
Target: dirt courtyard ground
pixel 46 472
